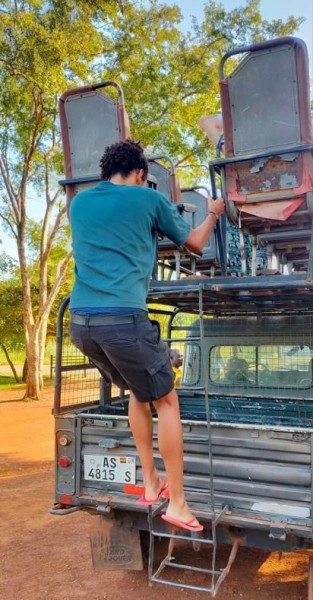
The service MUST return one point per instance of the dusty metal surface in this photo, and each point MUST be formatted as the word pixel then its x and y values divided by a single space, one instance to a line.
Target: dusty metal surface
pixel 267 174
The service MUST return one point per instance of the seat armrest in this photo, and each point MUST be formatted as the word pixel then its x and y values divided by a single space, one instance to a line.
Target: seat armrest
pixel 186 207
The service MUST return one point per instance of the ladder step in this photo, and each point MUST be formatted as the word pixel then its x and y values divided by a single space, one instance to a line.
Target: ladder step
pixel 186 586
pixel 190 568
pixel 216 577
pixel 176 536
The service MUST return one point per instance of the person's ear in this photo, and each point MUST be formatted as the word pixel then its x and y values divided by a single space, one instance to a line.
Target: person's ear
pixel 140 177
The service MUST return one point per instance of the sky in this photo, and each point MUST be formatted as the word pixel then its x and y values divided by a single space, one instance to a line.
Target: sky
pixel 270 9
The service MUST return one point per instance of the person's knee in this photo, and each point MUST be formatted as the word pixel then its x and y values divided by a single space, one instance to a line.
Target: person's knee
pixel 170 400
pixel 136 404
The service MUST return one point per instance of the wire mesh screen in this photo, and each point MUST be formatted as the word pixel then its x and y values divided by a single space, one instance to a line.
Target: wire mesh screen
pixel 273 351
pixel 277 366
pixel 265 76
pixel 260 370
pixel 91 116
pixel 78 381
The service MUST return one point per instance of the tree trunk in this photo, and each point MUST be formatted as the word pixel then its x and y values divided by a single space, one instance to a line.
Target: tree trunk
pixel 42 336
pixel 34 379
pixel 25 369
pixel 15 375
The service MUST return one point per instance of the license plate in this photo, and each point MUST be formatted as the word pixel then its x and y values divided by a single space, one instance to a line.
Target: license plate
pixel 108 468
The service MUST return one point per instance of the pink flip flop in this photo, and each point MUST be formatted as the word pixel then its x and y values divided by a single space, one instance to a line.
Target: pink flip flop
pixel 183 524
pixel 163 493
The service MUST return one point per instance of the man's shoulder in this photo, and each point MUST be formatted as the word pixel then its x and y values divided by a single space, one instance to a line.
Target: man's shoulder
pixel 100 187
pixel 79 198
pixel 147 193
pixel 89 191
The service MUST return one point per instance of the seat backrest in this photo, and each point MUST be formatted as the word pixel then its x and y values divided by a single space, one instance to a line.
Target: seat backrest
pixel 193 196
pixel 169 256
pixel 266 99
pixel 165 177
pixel 210 254
pixel 90 121
pixel 166 184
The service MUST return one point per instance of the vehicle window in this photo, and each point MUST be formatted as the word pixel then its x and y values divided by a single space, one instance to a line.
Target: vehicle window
pixel 191 365
pixel 282 366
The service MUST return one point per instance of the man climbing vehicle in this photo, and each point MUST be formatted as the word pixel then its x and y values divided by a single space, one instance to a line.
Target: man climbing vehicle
pixel 114 226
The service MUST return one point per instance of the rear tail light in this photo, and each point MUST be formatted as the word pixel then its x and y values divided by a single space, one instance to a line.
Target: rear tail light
pixel 64 461
pixel 65 499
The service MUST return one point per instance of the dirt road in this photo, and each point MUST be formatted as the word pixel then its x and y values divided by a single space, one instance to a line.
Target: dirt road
pixel 47 557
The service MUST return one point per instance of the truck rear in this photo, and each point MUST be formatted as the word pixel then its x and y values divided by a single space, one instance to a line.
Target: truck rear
pixel 246 406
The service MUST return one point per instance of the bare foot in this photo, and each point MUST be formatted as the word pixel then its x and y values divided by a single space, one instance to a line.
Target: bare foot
pixel 153 488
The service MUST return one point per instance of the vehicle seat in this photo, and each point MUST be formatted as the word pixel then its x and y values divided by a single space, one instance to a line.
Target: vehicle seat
pixel 90 120
pixel 267 173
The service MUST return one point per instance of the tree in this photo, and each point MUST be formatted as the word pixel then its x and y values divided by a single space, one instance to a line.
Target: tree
pixel 45 47
pixel 11 324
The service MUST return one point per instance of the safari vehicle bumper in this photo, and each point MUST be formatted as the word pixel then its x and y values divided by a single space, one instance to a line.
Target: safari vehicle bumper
pixel 254 532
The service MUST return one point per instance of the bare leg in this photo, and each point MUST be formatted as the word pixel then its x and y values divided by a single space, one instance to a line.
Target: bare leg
pixel 140 420
pixel 171 448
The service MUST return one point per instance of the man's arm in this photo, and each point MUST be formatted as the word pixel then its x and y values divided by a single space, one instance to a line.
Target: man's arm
pixel 198 237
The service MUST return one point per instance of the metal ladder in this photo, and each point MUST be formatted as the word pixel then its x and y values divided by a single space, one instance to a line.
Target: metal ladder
pixel 216 577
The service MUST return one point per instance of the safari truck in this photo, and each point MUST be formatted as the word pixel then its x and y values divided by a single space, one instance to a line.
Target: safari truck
pixel 246 387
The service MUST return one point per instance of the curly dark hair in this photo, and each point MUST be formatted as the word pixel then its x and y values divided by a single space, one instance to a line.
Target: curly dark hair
pixel 123 158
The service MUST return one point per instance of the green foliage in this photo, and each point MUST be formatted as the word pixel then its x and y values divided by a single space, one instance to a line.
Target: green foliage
pixel 7 265
pixel 8 383
pixel 44 47
pixel 11 325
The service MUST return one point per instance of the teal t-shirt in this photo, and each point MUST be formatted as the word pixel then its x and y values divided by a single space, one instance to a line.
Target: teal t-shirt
pixel 113 238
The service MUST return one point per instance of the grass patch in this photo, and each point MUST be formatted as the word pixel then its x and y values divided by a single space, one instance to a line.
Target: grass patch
pixel 9 383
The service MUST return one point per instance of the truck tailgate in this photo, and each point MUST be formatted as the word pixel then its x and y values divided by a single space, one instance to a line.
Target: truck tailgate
pixel 258 472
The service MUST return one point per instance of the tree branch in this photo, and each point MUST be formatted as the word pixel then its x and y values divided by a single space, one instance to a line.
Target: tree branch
pixel 9 187
pixel 9 224
pixel 61 269
pixel 38 112
pixel 54 231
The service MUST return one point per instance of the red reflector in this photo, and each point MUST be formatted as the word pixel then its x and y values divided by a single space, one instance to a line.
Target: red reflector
pixel 64 499
pixel 64 461
pixel 136 490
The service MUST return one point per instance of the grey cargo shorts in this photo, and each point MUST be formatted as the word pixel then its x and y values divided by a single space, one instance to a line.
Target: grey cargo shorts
pixel 127 351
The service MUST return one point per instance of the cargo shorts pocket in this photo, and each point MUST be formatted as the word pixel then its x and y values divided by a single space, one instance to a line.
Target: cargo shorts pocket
pixel 118 337
pixel 161 377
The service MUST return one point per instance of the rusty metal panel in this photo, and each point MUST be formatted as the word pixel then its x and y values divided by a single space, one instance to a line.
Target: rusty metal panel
pixel 268 174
